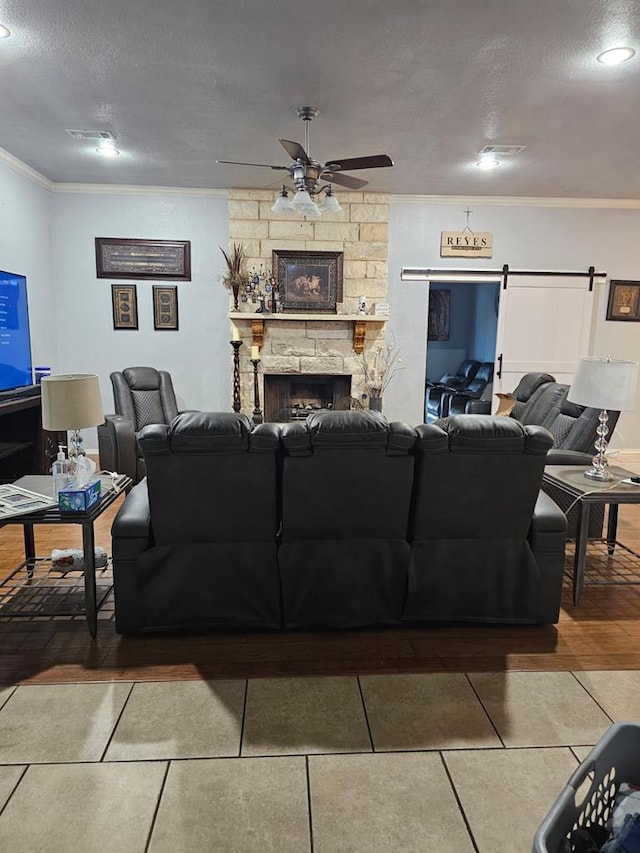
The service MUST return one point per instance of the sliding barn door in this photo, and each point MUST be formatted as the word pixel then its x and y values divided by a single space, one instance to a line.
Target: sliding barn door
pixel 544 323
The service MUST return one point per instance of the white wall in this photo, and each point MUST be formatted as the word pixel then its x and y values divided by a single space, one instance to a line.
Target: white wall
pixel 26 248
pixel 524 237
pixel 198 354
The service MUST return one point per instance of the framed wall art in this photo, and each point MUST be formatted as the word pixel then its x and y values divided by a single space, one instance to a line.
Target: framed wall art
pixel 165 307
pixel 439 315
pixel 624 300
pixel 124 303
pixel 123 258
pixel 309 281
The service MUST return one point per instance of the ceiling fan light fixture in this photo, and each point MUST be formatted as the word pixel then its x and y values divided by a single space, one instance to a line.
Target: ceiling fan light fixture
pixel 330 203
pixel 302 199
pixel 282 203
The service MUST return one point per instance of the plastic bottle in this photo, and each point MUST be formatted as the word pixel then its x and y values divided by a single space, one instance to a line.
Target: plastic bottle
pixel 60 471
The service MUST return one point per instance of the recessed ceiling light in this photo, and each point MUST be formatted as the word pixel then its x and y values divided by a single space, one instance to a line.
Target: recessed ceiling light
pixel 487 161
pixel 616 55
pixel 5 32
pixel 108 149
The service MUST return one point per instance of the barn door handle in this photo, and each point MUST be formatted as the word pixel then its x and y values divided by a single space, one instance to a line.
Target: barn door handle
pixel 499 371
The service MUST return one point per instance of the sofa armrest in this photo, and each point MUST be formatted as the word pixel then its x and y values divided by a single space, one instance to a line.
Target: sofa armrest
pixel 569 457
pixel 131 529
pixel 478 407
pixel 548 530
pixel 117 446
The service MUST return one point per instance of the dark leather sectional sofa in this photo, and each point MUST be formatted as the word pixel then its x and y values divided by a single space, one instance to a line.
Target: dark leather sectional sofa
pixel 344 520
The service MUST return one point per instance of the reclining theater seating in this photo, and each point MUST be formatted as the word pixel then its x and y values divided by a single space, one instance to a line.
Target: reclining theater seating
pixel 437 402
pixel 494 558
pixel 346 490
pixel 196 545
pixel 465 372
pixel 198 549
pixel 142 396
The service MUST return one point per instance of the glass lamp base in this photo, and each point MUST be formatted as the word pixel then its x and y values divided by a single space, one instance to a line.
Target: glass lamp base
pixel 601 474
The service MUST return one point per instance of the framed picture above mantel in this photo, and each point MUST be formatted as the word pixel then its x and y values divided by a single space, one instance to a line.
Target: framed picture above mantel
pixel 143 259
pixel 309 282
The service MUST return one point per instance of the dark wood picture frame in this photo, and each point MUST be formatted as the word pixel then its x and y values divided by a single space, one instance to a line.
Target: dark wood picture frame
pixel 308 281
pixel 124 303
pixel 143 259
pixel 439 320
pixel 624 301
pixel 165 307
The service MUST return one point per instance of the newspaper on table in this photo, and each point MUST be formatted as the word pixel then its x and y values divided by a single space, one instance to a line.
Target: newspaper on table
pixel 17 501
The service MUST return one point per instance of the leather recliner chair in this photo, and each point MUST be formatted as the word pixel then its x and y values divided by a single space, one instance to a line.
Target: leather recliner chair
pixel 501 553
pixel 435 391
pixel 465 372
pixel 455 402
pixel 346 490
pixel 142 396
pixel 194 546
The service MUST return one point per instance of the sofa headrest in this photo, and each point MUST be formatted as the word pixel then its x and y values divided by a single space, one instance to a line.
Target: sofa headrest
pixel 529 383
pixel 468 368
pixel 485 372
pixel 485 434
pixel 209 432
pixel 142 378
pixel 572 410
pixel 340 429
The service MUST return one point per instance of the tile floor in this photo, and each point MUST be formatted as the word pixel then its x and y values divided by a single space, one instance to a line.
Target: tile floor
pixel 449 763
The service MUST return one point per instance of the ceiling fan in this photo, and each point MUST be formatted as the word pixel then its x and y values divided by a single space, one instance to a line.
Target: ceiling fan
pixel 307 174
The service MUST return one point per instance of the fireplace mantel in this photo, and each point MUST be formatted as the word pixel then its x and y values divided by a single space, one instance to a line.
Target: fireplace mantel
pixel 359 322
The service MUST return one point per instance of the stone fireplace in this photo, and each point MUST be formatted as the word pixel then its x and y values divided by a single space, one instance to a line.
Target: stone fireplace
pixel 326 348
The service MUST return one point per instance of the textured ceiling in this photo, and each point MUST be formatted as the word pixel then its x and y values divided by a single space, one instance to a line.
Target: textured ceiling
pixel 429 83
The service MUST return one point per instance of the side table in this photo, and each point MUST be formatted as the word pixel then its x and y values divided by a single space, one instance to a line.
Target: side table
pixel 111 489
pixel 570 479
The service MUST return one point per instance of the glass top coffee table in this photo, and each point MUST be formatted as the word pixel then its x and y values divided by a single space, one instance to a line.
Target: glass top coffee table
pixel 570 479
pixel 27 584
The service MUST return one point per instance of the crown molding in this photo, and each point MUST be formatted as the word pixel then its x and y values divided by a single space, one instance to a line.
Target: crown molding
pixel 519 201
pixel 22 169
pixel 133 189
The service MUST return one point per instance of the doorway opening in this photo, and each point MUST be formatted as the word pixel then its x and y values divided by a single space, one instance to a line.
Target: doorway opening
pixel 462 325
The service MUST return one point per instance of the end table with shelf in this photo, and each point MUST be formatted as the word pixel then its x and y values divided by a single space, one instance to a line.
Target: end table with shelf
pixel 27 577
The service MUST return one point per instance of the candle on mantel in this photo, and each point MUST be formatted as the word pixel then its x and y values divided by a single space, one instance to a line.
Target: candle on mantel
pixel 235 334
pixel 255 353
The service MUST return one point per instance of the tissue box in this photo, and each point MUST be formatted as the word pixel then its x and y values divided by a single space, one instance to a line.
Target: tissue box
pixel 75 498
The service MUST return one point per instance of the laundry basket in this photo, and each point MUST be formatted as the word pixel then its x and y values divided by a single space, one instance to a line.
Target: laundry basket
pixel 613 760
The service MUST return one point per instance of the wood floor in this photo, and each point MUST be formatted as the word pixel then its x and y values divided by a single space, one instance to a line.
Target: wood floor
pixel 603 632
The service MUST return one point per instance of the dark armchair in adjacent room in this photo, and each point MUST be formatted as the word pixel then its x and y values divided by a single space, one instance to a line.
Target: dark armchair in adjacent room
pixel 142 396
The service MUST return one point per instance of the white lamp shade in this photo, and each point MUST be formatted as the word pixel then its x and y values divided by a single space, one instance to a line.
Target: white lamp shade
pixel 71 402
pixel 604 383
pixel 301 199
pixel 330 204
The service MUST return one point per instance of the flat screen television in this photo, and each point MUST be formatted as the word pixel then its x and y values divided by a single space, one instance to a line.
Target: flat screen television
pixel 15 341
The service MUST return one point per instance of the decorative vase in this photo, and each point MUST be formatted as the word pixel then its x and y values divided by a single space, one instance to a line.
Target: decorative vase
pixel 235 289
pixel 375 404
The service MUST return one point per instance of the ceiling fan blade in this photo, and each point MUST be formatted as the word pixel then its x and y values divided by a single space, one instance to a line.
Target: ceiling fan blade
pixel 261 165
pixel 344 180
pixel 376 161
pixel 294 150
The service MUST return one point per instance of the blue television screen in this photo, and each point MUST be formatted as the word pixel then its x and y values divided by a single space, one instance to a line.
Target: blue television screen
pixel 15 341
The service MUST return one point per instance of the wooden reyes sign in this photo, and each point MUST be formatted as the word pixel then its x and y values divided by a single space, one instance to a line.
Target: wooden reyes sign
pixel 466 244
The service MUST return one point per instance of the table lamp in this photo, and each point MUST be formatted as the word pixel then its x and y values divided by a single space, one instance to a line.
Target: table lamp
pixel 604 383
pixel 71 402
